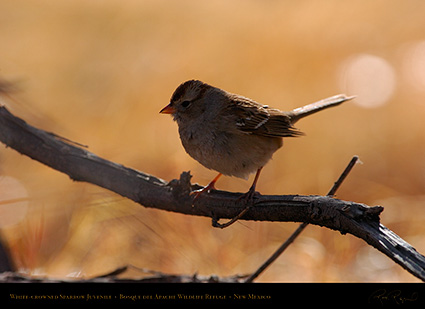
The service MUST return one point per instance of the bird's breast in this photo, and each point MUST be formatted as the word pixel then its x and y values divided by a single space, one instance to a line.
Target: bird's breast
pixel 228 153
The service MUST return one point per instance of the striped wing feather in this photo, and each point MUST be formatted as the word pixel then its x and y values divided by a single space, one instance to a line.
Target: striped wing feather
pixel 258 119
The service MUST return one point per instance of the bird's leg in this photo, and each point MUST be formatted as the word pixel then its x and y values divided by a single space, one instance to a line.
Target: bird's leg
pixel 248 196
pixel 208 187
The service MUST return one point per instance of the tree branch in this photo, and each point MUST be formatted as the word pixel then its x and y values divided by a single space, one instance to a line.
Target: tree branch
pixel 81 165
pixel 302 226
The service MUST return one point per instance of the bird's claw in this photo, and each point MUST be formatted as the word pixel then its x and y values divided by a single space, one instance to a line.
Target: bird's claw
pixel 249 197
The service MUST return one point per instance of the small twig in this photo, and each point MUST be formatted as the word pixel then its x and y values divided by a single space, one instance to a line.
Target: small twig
pixel 344 174
pixel 302 226
pixel 231 221
pixel 278 252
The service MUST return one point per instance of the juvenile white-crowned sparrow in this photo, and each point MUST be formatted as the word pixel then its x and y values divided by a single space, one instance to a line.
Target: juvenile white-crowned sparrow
pixel 231 134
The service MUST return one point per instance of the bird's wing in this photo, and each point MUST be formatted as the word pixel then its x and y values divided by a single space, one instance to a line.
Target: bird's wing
pixel 255 118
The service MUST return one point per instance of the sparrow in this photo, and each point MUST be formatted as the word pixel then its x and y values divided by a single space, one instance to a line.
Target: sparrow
pixel 232 134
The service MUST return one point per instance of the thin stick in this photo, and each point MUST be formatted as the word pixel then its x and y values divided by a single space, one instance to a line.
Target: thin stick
pixel 231 221
pixel 277 253
pixel 344 174
pixel 302 226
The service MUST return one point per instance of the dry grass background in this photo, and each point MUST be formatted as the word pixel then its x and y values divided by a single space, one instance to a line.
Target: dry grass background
pixel 98 72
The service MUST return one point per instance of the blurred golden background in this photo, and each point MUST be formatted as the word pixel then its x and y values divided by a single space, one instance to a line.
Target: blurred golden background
pixel 98 72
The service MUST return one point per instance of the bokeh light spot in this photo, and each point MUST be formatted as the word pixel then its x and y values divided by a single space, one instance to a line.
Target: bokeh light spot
pixel 414 65
pixel 370 78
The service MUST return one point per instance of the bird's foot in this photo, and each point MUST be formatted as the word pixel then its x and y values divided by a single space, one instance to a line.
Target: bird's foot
pixel 211 186
pixel 197 193
pixel 249 197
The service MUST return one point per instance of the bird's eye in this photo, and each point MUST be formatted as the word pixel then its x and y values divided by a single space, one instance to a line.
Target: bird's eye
pixel 185 104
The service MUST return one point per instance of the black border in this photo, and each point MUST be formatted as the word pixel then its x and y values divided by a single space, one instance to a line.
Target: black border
pixel 298 294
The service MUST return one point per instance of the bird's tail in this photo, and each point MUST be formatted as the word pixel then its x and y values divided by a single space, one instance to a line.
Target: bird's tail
pixel 312 108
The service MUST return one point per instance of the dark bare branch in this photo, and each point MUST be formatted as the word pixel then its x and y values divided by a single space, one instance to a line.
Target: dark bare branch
pixel 81 165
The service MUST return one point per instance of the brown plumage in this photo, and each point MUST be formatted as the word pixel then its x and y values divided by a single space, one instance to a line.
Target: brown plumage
pixel 231 134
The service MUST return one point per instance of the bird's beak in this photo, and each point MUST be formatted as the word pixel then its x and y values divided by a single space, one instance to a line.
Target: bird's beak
pixel 168 109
